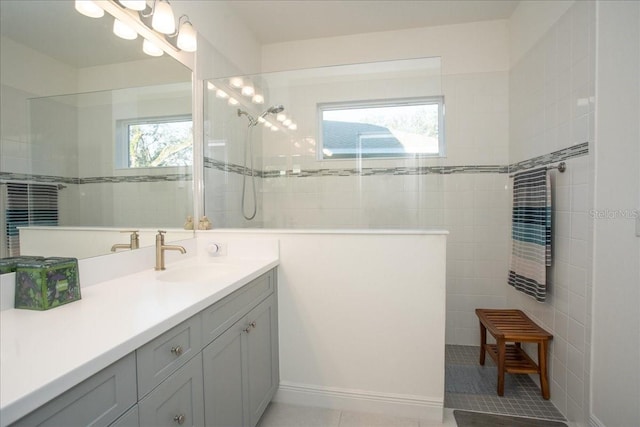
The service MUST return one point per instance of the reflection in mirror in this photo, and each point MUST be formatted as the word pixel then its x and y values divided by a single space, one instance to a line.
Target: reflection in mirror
pixel 96 136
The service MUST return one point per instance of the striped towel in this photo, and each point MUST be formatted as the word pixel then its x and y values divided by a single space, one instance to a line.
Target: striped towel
pixel 531 233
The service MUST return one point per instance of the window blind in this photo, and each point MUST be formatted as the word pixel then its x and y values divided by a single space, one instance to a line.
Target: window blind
pixel 24 205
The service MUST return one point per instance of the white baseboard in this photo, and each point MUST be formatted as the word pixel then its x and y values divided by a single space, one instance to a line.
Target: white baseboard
pixel 398 405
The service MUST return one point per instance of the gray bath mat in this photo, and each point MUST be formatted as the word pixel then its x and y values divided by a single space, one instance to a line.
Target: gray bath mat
pixel 477 419
pixel 468 379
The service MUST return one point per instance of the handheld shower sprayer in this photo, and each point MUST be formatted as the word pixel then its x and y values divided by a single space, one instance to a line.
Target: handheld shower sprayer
pixel 274 109
pixel 248 150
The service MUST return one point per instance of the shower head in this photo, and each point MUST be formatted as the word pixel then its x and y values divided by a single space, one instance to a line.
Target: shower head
pixel 274 109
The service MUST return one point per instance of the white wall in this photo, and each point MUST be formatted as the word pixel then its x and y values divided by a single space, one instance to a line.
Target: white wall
pixel 530 21
pixel 356 331
pixel 615 367
pixel 551 107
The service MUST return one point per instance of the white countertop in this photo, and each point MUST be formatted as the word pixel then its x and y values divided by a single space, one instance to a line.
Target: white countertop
pixel 44 353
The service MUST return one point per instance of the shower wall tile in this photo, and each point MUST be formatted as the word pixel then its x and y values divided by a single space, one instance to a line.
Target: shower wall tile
pixel 551 106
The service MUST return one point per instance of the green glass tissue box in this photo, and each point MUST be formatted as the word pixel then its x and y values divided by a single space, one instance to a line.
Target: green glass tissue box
pixel 47 283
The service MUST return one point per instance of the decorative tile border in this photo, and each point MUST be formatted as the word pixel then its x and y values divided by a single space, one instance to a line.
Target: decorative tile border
pixel 556 156
pixel 9 176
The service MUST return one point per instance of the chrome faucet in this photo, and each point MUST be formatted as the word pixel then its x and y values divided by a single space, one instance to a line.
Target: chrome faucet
pixel 161 247
pixel 134 241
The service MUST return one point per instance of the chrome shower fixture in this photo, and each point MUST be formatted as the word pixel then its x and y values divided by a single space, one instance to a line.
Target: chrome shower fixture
pixel 274 109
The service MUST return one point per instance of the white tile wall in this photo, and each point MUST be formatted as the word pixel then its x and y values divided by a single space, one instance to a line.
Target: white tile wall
pixel 551 106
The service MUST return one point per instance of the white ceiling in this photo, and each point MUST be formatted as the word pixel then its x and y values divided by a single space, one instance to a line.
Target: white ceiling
pixel 56 28
pixel 274 21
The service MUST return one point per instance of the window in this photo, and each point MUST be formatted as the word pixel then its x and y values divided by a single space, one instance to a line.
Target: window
pixel 389 128
pixel 155 142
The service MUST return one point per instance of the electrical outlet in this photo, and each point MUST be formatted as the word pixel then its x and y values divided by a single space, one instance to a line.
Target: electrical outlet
pixel 217 248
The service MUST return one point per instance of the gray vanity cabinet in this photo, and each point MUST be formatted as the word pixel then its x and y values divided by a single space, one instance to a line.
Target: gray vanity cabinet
pixel 177 400
pixel 240 369
pixel 173 381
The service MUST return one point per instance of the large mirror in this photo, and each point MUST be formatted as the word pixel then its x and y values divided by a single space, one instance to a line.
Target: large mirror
pixel 96 136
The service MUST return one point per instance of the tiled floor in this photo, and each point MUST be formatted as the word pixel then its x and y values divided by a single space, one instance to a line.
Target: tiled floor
pixel 528 403
pixel 283 415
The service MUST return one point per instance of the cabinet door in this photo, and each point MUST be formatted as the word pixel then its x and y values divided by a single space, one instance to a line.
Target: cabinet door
pixel 262 357
pixel 224 379
pixel 177 400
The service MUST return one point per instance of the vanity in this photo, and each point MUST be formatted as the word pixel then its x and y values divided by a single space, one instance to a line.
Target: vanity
pixel 149 349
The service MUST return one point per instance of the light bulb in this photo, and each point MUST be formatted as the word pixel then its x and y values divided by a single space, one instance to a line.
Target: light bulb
pixel 236 82
pixel 267 124
pixel 281 117
pixel 151 49
pixel 257 99
pixel 221 94
pixel 261 119
pixel 89 8
pixel 187 37
pixel 232 101
pixel 287 122
pixel 274 128
pixel 293 126
pixel 248 90
pixel 163 20
pixel 124 31
pixel 134 4
pixel 210 86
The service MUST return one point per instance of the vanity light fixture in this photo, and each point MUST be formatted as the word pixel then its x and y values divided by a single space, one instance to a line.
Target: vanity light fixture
pixel 248 90
pixel 89 8
pixel 163 20
pixel 138 5
pixel 151 49
pixel 124 31
pixel 257 99
pixel 236 82
pixel 187 36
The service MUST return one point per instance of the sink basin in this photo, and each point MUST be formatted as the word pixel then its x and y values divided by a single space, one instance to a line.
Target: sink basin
pixel 197 273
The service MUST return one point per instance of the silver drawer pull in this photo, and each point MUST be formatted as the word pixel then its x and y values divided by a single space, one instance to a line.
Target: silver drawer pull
pixel 179 419
pixel 247 329
pixel 177 350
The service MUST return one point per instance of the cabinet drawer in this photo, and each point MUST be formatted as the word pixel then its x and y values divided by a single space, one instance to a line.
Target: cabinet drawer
pixel 178 400
pixel 221 315
pixel 157 359
pixel 97 401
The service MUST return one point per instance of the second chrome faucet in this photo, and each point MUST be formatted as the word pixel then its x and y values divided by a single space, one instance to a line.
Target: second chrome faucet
pixel 161 247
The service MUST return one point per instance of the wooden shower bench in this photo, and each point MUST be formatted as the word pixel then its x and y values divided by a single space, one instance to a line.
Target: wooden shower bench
pixel 513 326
